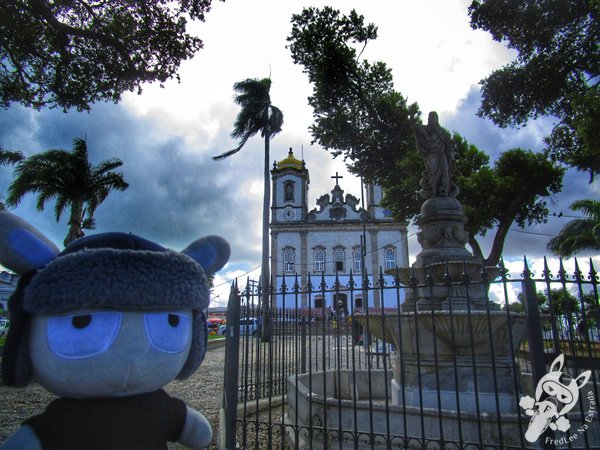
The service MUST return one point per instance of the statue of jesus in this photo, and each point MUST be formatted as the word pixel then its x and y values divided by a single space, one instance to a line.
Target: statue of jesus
pixel 436 148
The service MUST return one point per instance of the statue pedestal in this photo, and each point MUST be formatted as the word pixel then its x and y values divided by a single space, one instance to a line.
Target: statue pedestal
pixel 445 276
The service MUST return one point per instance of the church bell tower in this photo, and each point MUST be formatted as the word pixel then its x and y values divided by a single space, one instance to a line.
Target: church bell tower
pixel 290 189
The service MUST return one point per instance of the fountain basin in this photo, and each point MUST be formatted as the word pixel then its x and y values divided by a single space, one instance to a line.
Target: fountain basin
pixel 339 408
pixel 452 360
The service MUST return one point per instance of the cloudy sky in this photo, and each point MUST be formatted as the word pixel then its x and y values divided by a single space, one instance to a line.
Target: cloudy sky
pixel 166 136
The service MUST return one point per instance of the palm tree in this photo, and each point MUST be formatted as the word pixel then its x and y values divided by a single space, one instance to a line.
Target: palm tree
pixel 258 115
pixel 70 178
pixel 8 157
pixel 579 234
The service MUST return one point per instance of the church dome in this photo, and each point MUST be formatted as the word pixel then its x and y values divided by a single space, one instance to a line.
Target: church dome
pixel 290 162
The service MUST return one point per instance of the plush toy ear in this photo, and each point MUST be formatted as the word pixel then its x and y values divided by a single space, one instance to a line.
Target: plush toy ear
pixel 211 252
pixel 22 247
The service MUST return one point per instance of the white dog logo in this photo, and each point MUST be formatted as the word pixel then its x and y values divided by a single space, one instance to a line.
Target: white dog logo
pixel 560 397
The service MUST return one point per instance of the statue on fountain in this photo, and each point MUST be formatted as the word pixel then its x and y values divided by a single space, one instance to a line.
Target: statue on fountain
pixel 436 148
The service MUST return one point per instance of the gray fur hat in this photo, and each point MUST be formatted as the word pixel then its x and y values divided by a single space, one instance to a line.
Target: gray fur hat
pixel 116 271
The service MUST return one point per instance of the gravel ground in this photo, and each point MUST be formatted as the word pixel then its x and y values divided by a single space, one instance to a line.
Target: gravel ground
pixel 203 391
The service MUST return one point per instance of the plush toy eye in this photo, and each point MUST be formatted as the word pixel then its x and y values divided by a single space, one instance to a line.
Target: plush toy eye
pixel 173 320
pixel 168 332
pixel 80 322
pixel 78 336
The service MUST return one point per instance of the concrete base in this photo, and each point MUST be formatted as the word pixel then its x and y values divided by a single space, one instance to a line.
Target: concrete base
pixel 486 402
pixel 375 423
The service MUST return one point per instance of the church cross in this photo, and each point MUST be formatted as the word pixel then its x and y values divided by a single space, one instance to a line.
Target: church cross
pixel 337 177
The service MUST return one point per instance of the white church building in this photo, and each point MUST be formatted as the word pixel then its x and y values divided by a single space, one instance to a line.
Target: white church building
pixel 327 241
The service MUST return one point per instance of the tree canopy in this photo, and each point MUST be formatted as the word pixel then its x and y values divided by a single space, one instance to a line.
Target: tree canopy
pixel 70 179
pixel 358 115
pixel 70 54
pixel 556 72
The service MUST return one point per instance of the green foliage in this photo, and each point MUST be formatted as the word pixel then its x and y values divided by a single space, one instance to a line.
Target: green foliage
pixel 8 157
pixel 70 179
pixel 358 115
pixel 73 53
pixel 555 74
pixel 560 302
pixel 257 114
pixel 579 234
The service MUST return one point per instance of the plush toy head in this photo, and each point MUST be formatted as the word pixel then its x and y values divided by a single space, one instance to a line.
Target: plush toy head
pixel 112 315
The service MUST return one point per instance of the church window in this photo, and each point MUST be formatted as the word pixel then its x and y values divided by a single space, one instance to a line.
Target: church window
pixel 357 258
pixel 358 303
pixel 318 302
pixel 289 259
pixel 390 258
pixel 288 191
pixel 319 259
pixel 338 258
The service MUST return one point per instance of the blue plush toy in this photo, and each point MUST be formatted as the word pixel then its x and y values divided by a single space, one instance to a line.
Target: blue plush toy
pixel 104 325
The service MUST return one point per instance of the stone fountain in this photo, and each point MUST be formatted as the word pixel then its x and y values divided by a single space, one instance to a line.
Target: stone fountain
pixel 454 346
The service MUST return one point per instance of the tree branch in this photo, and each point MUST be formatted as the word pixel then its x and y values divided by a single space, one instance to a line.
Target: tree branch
pixel 40 9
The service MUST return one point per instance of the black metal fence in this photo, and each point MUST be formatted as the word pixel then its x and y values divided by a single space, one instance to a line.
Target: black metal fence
pixel 518 371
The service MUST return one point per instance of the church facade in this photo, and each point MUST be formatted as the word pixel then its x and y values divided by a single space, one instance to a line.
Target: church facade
pixel 337 239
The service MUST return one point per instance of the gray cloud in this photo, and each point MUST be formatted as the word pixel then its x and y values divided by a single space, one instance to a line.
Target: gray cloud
pixel 176 194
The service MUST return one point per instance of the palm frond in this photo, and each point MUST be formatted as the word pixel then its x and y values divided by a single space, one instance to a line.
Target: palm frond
pixel 105 166
pixel 256 115
pixel 575 236
pixel 89 224
pixel 228 153
pixel 10 156
pixel 589 207
pixel 275 121
pixel 62 202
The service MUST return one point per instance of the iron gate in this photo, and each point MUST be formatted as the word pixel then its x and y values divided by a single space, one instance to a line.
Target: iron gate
pixel 337 378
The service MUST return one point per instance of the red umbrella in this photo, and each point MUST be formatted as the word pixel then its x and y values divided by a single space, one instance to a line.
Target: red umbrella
pixel 214 320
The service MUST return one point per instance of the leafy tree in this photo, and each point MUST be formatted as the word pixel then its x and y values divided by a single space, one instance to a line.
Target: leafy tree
pixel 592 313
pixel 70 178
pixel 515 191
pixel 556 73
pixel 258 115
pixel 357 113
pixel 579 234
pixel 360 116
pixel 8 157
pixel 563 302
pixel 72 53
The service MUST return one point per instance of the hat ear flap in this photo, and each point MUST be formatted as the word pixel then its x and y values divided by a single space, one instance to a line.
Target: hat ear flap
pixel 16 367
pixel 211 252
pixel 22 247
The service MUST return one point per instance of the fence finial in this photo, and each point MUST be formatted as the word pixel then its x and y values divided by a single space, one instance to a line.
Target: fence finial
pixel 526 272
